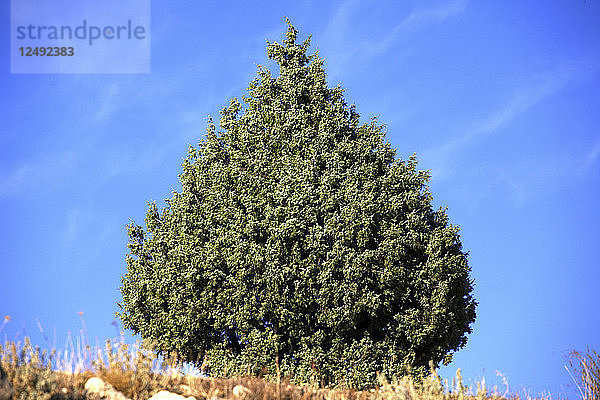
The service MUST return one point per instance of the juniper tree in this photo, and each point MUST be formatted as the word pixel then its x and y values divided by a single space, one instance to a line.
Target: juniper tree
pixel 299 243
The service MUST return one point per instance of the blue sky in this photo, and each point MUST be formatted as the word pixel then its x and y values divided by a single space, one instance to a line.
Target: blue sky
pixel 500 101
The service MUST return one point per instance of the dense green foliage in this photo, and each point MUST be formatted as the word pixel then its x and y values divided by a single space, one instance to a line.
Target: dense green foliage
pixel 300 242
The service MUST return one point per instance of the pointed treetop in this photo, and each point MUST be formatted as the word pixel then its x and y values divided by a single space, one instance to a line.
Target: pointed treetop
pixel 289 54
pixel 291 34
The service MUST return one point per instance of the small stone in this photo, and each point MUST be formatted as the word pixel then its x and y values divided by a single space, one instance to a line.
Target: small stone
pixel 240 391
pixel 98 387
pixel 186 389
pixel 166 395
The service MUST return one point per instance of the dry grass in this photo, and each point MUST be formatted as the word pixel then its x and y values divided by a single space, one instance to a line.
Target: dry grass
pixel 138 374
pixel 585 371
pixel 36 374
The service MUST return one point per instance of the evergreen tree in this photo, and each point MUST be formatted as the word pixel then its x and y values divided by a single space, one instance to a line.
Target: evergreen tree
pixel 299 243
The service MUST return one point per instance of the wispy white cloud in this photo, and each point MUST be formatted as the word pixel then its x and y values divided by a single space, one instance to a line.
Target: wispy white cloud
pixel 79 220
pixel 420 17
pixel 337 32
pixel 538 88
pixel 522 180
pixel 100 106
pixel 518 180
pixel 13 182
pixel 340 21
pixel 107 103
pixel 72 226
pixel 37 173
pixel 435 14
pixel 592 157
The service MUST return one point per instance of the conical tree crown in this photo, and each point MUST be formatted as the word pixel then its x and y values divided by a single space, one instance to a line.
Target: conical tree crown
pixel 299 243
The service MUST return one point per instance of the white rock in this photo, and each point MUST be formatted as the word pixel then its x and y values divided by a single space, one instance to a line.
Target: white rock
pixel 102 389
pixel 240 391
pixel 187 391
pixel 165 395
